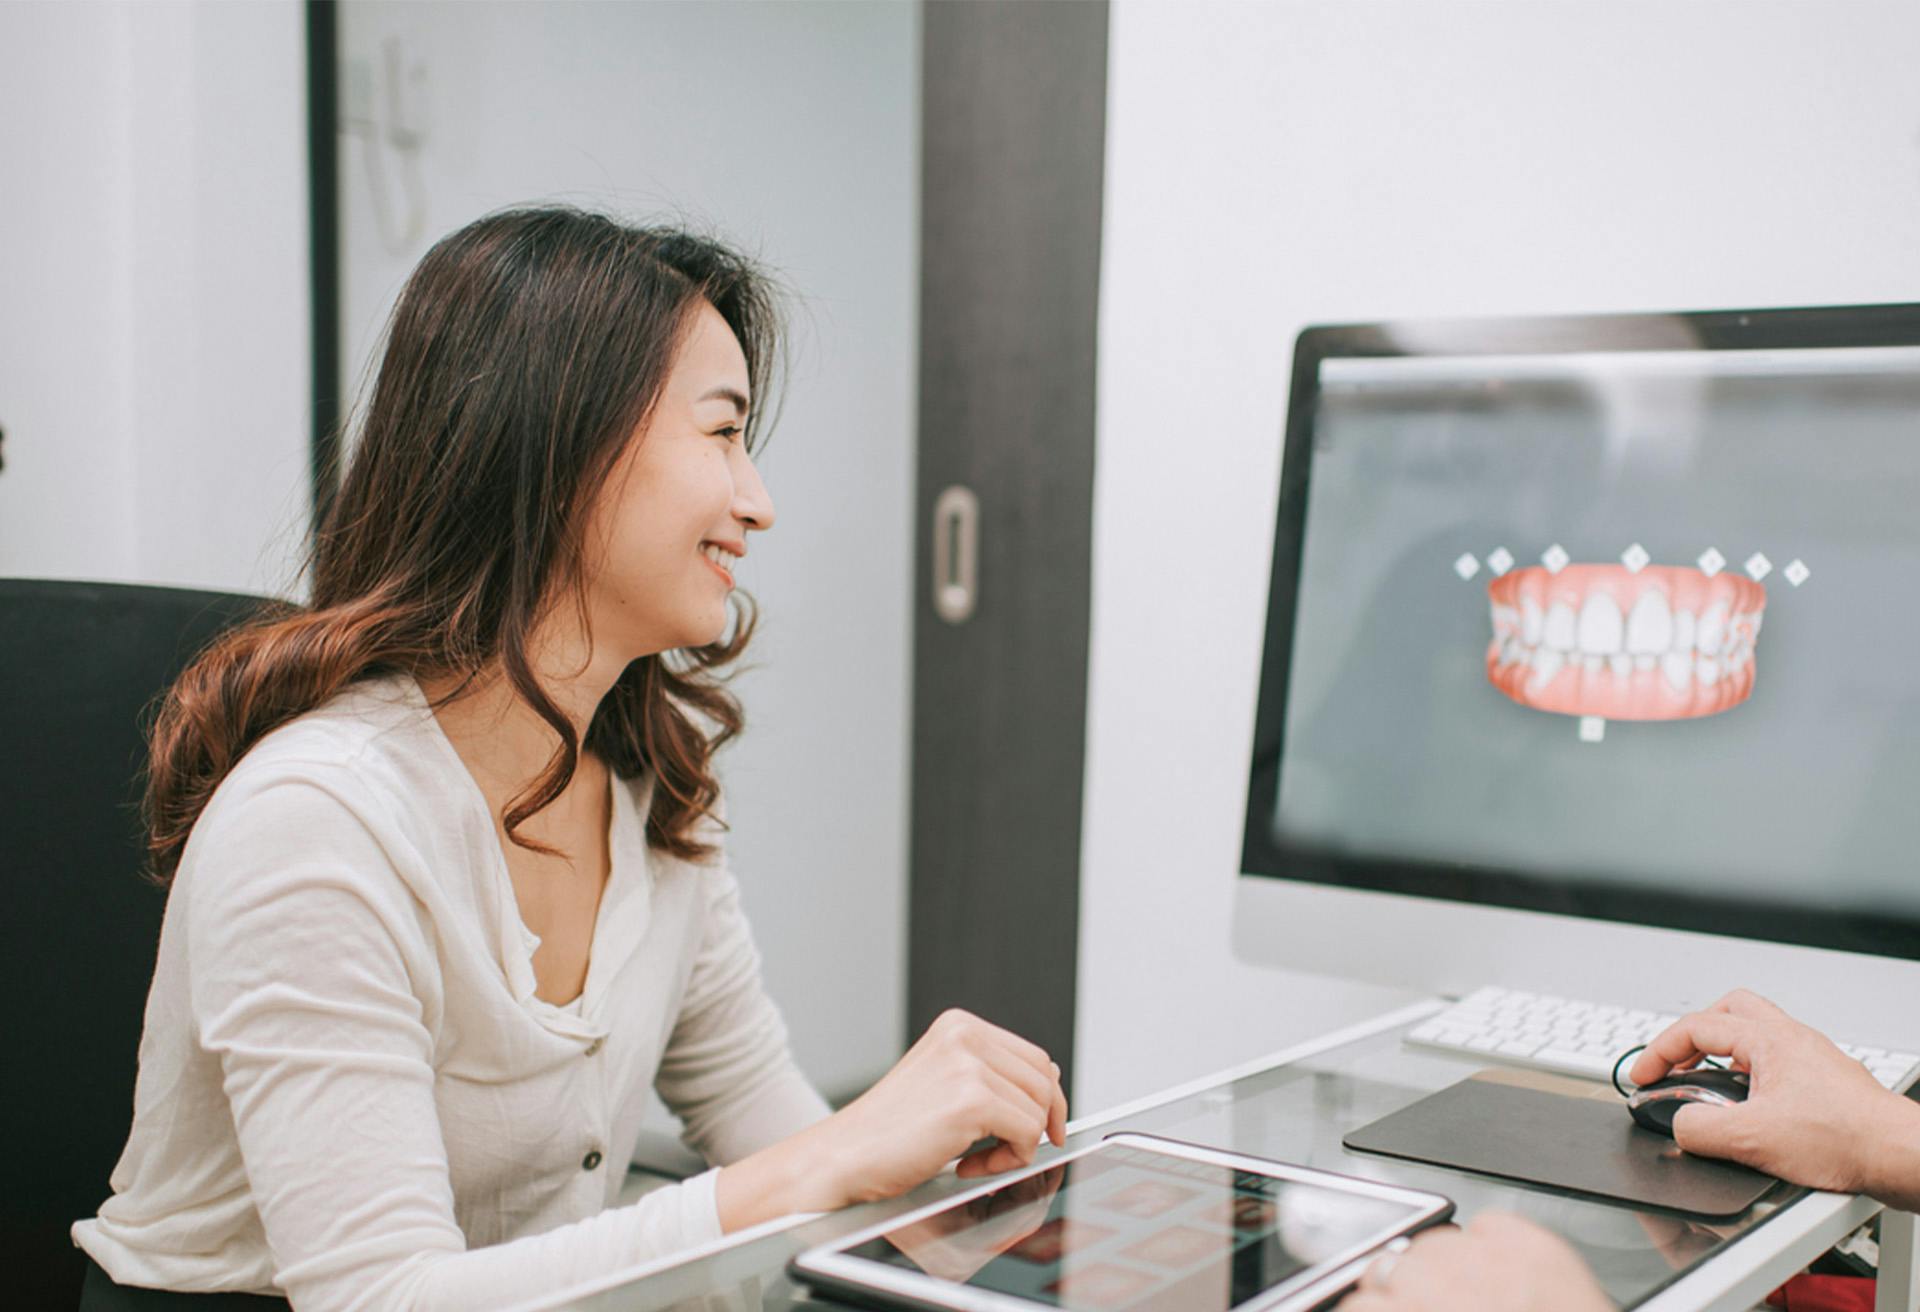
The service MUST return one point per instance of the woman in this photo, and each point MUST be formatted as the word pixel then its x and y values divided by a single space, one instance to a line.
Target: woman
pixel 444 848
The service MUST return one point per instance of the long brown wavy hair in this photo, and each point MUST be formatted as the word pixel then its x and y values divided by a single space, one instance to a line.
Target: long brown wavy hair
pixel 525 351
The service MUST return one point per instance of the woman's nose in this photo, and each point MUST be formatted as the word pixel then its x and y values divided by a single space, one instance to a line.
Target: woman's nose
pixel 751 504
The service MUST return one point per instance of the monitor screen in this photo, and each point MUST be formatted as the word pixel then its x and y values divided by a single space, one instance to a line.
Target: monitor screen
pixel 1613 617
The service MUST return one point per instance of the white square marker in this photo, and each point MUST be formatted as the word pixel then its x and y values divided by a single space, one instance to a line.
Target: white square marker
pixel 1635 558
pixel 1466 567
pixel 1796 572
pixel 1758 567
pixel 1500 561
pixel 1711 562
pixel 1555 558
pixel 1593 728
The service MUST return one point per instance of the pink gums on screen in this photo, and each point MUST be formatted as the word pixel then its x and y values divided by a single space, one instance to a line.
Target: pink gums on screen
pixel 1666 643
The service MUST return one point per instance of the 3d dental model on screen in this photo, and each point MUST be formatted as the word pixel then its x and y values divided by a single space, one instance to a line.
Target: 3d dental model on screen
pixel 1658 643
pixel 1633 641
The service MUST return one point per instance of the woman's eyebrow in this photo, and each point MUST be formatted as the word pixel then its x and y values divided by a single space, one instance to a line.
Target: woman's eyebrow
pixel 726 394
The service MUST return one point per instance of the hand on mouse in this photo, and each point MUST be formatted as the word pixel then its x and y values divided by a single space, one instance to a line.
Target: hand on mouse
pixel 965 1080
pixel 1499 1263
pixel 1814 1115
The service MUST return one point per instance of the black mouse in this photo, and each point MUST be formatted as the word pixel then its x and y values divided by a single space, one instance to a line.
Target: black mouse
pixel 1653 1106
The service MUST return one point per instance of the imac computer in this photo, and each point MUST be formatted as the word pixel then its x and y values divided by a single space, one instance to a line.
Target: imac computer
pixel 1592 663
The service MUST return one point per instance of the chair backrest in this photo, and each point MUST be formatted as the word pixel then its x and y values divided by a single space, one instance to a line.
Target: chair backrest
pixel 82 665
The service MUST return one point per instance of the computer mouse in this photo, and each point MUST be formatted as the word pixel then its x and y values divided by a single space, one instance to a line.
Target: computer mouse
pixel 1653 1106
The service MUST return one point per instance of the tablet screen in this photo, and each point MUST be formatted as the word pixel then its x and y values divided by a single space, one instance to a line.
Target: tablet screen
pixel 1135 1229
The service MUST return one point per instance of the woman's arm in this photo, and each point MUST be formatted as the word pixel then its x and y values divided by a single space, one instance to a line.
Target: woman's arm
pixel 728 1071
pixel 729 1074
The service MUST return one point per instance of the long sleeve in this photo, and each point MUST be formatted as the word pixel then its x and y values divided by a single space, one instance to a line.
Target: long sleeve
pixel 309 962
pixel 728 1072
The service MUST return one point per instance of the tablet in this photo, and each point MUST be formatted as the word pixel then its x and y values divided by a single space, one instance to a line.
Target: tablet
pixel 1133 1222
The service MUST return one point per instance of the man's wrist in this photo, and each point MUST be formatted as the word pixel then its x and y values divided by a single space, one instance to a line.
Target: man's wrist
pixel 1889 1148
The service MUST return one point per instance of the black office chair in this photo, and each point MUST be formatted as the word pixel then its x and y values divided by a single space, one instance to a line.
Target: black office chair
pixel 81 667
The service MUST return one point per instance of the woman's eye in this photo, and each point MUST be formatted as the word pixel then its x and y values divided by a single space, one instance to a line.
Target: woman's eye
pixel 730 432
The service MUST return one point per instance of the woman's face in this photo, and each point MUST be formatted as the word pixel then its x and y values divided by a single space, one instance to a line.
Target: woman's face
pixel 674 517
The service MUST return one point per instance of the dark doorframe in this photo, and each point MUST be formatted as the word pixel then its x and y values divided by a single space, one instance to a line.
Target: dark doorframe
pixel 323 244
pixel 1013 140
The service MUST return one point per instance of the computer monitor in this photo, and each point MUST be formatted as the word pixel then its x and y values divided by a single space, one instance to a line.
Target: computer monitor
pixel 1592 662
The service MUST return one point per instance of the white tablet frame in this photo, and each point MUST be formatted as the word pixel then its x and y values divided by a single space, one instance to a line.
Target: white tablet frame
pixel 832 1264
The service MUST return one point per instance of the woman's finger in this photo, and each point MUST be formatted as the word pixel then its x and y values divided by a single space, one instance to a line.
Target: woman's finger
pixel 985 1036
pixel 1057 1111
pixel 1038 1085
pixel 1009 1115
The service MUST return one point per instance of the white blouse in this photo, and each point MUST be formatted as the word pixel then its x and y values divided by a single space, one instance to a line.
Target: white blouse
pixel 348 1092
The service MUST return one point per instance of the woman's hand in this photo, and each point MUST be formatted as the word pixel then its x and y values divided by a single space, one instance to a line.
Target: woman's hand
pixel 964 1081
pixel 1813 1116
pixel 1499 1263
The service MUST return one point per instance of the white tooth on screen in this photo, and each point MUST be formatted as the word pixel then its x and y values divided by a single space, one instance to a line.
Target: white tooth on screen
pixel 1645 661
pixel 1682 631
pixel 1592 662
pixel 1677 666
pixel 1600 625
pixel 1546 664
pixel 1650 626
pixel 1558 633
pixel 1621 664
pixel 1707 670
pixel 1713 630
pixel 1530 622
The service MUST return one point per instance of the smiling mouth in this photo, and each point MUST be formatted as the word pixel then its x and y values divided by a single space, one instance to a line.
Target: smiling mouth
pixel 720 559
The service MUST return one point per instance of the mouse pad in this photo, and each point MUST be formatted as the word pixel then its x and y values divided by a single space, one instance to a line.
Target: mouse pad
pixel 1563 1133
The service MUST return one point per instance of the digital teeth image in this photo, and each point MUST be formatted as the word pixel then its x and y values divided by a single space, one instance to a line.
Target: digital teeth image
pixel 1663 643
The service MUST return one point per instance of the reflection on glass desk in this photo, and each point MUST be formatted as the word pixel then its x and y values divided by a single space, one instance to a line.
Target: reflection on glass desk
pixel 1298 1112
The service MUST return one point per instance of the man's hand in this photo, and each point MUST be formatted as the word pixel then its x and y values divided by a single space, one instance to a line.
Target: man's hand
pixel 1814 1115
pixel 1499 1263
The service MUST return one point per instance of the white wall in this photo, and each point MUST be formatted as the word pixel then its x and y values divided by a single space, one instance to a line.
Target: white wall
pixel 1274 165
pixel 153 293
pixel 794 129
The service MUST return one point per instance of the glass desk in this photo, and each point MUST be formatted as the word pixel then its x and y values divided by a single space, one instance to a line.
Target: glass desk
pixel 1295 1107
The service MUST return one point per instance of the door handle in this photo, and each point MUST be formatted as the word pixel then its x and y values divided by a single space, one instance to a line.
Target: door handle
pixel 956 554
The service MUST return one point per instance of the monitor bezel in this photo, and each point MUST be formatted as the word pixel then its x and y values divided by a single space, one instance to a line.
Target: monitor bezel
pixel 1822 327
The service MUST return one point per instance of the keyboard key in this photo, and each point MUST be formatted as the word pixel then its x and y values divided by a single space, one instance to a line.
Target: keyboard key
pixel 1518 1048
pixel 1595 1065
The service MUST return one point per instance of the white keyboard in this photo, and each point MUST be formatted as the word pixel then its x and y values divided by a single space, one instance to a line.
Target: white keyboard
pixel 1580 1038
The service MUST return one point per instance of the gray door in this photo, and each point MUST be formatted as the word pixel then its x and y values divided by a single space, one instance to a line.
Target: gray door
pixel 1013 125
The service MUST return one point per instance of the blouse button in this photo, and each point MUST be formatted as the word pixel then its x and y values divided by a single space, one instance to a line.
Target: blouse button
pixel 591 1160
pixel 593 1049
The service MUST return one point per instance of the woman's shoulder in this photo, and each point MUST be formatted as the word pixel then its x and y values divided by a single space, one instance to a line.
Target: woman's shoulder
pixel 357 755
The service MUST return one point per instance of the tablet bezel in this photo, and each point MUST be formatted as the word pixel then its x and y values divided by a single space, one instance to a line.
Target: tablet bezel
pixel 831 1265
